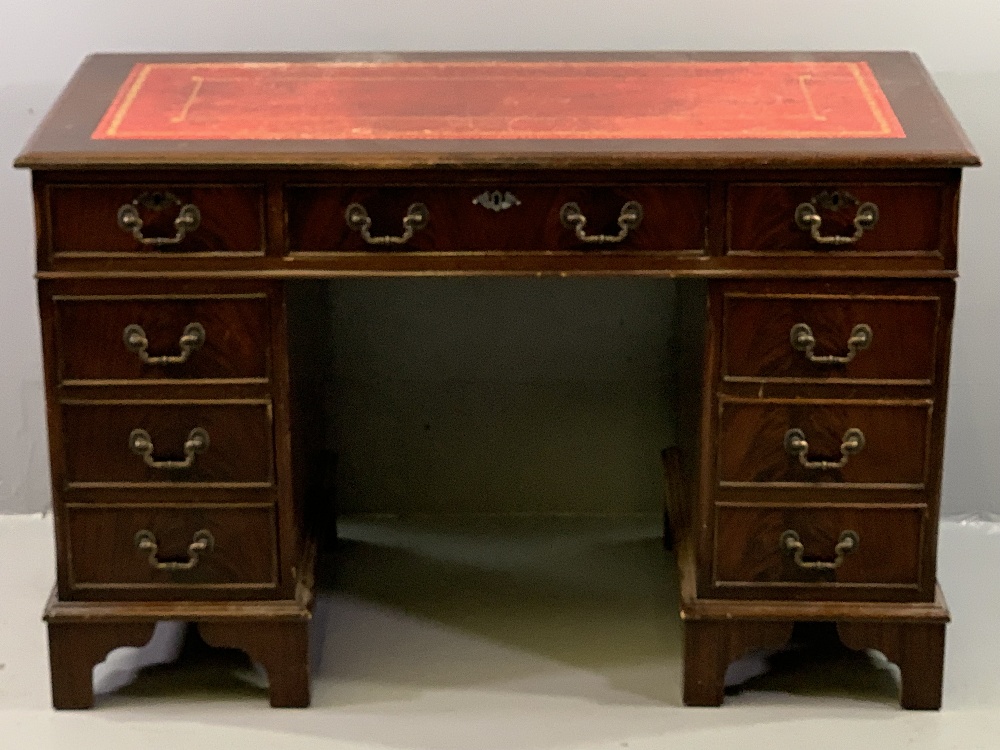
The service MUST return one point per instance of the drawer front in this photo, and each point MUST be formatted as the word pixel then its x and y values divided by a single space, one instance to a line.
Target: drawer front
pixel 674 218
pixel 138 547
pixel 84 220
pixel 162 338
pixel 758 546
pixel 762 218
pixel 210 443
pixel 830 337
pixel 755 448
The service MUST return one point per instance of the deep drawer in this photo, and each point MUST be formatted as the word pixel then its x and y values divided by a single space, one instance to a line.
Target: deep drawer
pixel 674 218
pixel 835 337
pixel 87 220
pixel 202 443
pixel 837 547
pixel 756 449
pixel 911 218
pixel 162 337
pixel 170 548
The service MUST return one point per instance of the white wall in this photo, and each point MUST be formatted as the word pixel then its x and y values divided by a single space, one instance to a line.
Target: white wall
pixel 42 42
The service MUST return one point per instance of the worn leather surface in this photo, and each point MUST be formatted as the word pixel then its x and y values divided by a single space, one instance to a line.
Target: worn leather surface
pixel 499 100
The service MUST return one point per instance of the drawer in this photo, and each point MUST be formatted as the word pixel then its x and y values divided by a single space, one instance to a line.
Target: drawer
pixel 814 548
pixel 157 547
pixel 911 218
pixel 674 218
pixel 162 337
pixel 755 447
pixel 830 337
pixel 183 443
pixel 85 220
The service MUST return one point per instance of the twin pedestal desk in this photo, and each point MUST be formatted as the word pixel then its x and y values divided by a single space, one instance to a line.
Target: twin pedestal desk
pixel 806 203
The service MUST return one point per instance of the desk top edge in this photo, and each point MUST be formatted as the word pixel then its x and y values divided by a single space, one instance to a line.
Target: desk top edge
pixel 933 136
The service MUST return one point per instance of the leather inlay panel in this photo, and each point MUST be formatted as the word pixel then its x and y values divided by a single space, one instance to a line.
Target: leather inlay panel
pixel 499 100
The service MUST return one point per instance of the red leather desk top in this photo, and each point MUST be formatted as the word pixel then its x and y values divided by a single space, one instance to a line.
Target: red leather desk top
pixel 498 100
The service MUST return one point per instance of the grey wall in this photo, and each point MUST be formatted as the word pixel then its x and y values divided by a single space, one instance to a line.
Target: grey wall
pixel 556 393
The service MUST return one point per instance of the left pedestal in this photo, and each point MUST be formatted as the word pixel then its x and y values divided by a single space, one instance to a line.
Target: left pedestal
pixel 174 496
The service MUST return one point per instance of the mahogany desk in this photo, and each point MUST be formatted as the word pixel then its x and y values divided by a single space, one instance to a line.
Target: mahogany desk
pixel 808 201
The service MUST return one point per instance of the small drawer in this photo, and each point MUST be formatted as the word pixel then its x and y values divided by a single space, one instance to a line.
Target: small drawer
pixel 813 337
pixel 171 549
pixel 827 549
pixel 151 220
pixel 165 337
pixel 834 443
pixel 773 218
pixel 168 443
pixel 532 218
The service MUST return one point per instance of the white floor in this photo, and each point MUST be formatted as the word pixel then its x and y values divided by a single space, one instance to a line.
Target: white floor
pixel 501 634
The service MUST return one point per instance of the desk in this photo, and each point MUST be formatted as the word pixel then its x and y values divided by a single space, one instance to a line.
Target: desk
pixel 807 202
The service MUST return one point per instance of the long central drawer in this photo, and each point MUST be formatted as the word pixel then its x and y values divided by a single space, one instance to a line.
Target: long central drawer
pixel 541 218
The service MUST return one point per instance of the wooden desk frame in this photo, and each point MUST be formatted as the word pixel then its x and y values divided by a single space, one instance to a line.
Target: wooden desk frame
pixel 266 209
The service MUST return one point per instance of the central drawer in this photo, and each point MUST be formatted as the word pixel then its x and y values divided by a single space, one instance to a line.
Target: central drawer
pixel 538 218
pixel 168 443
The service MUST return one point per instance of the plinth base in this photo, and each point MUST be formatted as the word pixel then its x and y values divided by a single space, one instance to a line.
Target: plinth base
pixel 717 632
pixel 273 633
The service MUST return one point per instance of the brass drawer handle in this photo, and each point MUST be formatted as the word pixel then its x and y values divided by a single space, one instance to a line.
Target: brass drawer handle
pixel 629 218
pixel 202 541
pixel 188 218
pixel 848 542
pixel 358 220
pixel 808 219
pixel 192 339
pixel 141 443
pixel 851 443
pixel 803 340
